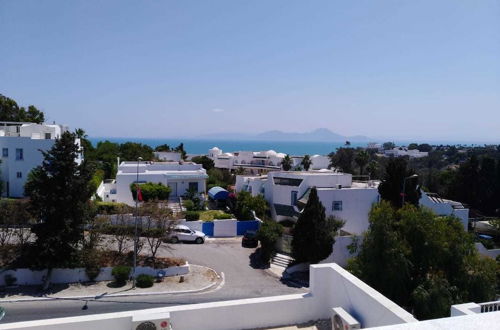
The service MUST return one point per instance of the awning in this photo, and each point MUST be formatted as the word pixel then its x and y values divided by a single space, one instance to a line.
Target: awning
pixel 302 201
pixel 285 210
pixel 218 193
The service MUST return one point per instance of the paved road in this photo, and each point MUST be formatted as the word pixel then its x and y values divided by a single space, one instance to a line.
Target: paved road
pixel 227 256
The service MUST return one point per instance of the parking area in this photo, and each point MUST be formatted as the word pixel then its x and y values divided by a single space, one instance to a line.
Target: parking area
pixel 226 255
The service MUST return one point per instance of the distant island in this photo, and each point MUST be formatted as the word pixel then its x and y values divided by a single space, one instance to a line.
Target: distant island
pixel 317 135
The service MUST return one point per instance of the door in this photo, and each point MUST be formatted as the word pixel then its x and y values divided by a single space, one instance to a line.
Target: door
pixel 173 187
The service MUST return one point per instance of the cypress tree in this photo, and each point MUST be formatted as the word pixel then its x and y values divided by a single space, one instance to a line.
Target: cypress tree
pixel 59 192
pixel 314 233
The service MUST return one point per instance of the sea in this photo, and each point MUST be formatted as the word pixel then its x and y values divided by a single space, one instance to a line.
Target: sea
pixel 201 147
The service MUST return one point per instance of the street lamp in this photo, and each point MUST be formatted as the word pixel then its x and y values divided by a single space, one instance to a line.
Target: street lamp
pixel 403 194
pixel 136 216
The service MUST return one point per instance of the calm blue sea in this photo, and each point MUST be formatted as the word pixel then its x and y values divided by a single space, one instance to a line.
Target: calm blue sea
pixel 202 146
pixel 289 147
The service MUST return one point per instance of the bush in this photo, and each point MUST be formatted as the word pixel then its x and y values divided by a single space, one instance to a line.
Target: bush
pixel 214 215
pixel 192 215
pixel 151 191
pixel 112 208
pixel 189 205
pixel 144 281
pixel 121 274
pixel 10 280
pixel 268 234
pixel 90 258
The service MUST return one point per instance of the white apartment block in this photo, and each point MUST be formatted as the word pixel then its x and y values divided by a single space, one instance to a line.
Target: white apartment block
pixel 258 162
pixel 403 151
pixel 288 192
pixel 178 176
pixel 20 147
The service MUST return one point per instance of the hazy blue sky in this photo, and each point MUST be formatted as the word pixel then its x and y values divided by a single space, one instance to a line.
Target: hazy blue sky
pixel 401 69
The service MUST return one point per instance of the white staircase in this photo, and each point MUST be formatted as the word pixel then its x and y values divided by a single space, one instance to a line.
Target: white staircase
pixel 281 260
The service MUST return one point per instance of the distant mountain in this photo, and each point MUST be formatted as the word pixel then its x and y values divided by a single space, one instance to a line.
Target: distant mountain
pixel 318 135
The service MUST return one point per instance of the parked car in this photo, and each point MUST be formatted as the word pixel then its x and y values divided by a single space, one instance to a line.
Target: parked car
pixel 182 233
pixel 250 239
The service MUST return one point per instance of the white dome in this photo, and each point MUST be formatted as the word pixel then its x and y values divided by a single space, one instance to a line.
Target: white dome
pixel 215 149
pixel 270 153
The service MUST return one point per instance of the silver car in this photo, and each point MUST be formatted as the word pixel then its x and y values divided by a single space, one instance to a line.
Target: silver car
pixel 182 233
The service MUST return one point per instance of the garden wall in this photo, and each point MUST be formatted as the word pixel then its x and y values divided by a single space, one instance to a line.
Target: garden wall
pixel 63 275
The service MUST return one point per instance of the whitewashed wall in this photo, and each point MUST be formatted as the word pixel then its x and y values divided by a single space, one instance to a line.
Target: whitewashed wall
pixel 26 276
pixel 340 253
pixel 493 253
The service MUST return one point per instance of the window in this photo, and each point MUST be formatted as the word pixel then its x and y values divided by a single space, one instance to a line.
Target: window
pixel 193 186
pixel 5 152
pixel 337 205
pixel 294 197
pixel 19 175
pixel 287 181
pixel 19 154
pixel 47 136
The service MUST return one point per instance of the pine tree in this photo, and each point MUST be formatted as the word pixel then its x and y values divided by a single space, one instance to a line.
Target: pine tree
pixel 59 192
pixel 314 233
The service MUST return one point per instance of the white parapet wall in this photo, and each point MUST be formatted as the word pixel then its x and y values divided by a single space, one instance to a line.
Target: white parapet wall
pixel 26 276
pixel 331 286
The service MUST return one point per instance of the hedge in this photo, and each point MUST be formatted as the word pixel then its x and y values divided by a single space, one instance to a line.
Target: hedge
pixel 151 191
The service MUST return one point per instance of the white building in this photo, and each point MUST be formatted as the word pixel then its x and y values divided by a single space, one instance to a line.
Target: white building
pixel 287 194
pixel 404 151
pixel 168 156
pixel 20 146
pixel 261 161
pixel 178 176
pixel 445 207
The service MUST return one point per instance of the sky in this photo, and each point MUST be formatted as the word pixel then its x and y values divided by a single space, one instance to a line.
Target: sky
pixel 400 69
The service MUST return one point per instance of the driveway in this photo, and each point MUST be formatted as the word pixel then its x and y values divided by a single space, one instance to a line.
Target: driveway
pixel 223 255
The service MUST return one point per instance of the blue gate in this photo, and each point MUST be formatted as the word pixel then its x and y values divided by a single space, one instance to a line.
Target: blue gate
pixel 208 228
pixel 243 226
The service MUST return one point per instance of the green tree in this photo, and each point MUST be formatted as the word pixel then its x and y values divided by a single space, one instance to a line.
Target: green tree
pixel 388 145
pixel 361 159
pixel 413 146
pixel 107 153
pixel 342 159
pixel 391 187
pixel 246 203
pixel 314 233
pixel 180 148
pixel 59 192
pixel 88 148
pixel 421 261
pixel 163 147
pixel 206 162
pixel 373 169
pixel 286 163
pixel 306 162
pixel 131 151
pixel 10 111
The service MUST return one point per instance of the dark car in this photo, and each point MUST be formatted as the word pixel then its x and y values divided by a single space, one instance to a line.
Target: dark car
pixel 250 239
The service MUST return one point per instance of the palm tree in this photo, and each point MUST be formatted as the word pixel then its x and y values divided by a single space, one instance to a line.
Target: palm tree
pixel 362 159
pixel 80 133
pixel 306 162
pixel 286 163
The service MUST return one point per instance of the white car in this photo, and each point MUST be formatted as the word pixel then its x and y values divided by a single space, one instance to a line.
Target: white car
pixel 185 234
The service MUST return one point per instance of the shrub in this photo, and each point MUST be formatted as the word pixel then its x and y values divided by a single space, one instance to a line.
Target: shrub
pixel 144 281
pixel 151 191
pixel 90 258
pixel 189 205
pixel 10 280
pixel 121 274
pixel 268 234
pixel 192 215
pixel 214 215
pixel 112 208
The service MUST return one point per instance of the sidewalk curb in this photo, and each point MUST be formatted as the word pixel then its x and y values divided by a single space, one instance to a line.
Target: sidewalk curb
pixel 97 297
